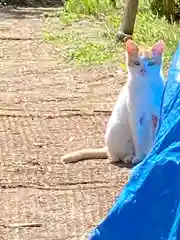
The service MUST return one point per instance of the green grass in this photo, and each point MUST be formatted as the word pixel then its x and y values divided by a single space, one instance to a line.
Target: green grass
pixel 90 27
pixel 150 29
pixel 88 7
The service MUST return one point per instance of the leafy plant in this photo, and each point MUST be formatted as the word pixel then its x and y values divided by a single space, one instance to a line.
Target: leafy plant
pixel 89 32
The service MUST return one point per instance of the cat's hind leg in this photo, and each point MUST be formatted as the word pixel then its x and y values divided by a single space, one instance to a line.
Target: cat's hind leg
pixel 113 156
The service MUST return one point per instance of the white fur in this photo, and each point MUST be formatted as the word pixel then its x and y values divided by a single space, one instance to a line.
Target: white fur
pixel 144 100
pixel 125 137
pixel 118 136
pixel 130 131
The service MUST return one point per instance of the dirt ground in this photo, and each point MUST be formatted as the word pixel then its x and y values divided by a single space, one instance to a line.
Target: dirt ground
pixel 48 108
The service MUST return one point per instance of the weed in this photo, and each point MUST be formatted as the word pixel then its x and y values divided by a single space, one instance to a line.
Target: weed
pixel 92 26
pixel 89 7
pixel 150 29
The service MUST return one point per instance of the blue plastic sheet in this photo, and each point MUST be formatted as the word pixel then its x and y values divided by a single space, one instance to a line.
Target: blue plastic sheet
pixel 149 206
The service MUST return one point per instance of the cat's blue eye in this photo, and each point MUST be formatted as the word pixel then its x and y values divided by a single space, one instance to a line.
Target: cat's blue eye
pixel 151 63
pixel 136 63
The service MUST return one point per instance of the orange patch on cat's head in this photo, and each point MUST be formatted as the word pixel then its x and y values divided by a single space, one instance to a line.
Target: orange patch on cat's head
pixel 131 47
pixel 133 50
pixel 158 48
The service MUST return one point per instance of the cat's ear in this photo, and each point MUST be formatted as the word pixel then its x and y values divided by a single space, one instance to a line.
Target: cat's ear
pixel 131 47
pixel 158 48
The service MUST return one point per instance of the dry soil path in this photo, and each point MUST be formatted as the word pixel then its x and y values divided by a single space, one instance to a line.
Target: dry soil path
pixel 46 109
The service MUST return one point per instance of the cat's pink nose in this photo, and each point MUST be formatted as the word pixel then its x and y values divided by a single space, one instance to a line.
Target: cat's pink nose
pixel 142 71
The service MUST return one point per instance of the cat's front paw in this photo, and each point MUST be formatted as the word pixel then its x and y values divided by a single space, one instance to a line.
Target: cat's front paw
pixel 128 159
pixel 136 160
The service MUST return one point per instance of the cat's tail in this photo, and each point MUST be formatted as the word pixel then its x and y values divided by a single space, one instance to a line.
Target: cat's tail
pixel 85 154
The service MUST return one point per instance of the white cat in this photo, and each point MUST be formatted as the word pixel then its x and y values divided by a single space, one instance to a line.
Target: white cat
pixel 131 128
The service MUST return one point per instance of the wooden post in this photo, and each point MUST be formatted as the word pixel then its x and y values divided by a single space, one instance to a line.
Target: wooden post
pixel 127 27
pixel 169 9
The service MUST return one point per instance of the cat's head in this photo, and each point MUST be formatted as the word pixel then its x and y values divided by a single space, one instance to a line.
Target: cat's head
pixel 144 61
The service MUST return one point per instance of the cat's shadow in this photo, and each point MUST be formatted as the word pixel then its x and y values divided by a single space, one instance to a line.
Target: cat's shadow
pixel 121 164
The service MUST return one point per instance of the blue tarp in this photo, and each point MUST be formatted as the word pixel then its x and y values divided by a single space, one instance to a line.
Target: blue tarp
pixel 148 208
